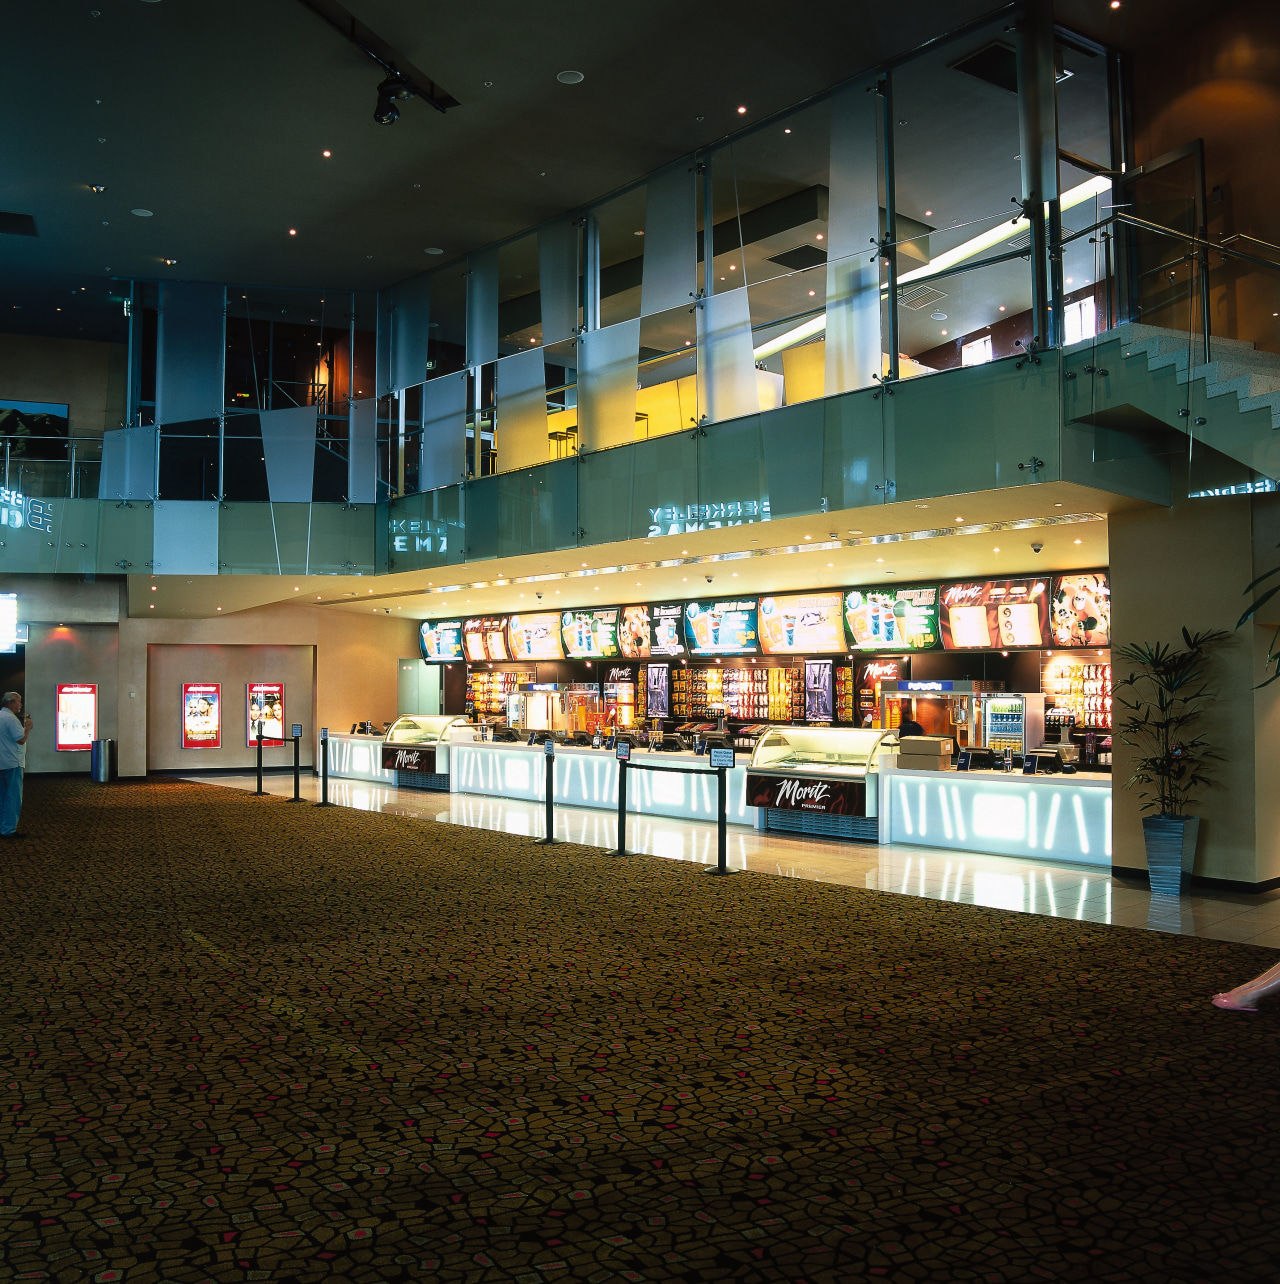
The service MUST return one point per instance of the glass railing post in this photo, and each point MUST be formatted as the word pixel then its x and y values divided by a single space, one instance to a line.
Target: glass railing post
pixel 889 245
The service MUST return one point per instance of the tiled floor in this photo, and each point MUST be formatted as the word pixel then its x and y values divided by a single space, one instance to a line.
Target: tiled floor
pixel 1035 887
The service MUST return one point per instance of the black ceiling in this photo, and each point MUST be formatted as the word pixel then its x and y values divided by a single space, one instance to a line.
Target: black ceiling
pixel 215 116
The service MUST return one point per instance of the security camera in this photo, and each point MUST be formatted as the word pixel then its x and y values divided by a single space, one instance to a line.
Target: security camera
pixel 538 596
pixel 1037 547
pixel 710 578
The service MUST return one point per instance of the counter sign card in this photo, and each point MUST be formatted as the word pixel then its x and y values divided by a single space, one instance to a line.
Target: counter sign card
pixel 265 705
pixel 77 717
pixel 201 715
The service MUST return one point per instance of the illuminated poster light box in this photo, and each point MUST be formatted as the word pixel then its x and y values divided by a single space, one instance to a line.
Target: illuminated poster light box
pixel 265 705
pixel 201 715
pixel 77 721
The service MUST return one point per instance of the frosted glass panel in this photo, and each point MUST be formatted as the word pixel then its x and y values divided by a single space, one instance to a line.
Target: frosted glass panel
pixel 128 463
pixel 289 447
pixel 670 239
pixel 558 278
pixel 190 350
pixel 520 388
pixel 853 344
pixel 186 537
pixel 444 413
pixel 362 455
pixel 608 361
pixel 482 308
pixel 410 331
pixel 727 385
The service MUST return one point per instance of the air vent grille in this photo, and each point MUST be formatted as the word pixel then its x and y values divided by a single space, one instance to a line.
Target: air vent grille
pixel 919 297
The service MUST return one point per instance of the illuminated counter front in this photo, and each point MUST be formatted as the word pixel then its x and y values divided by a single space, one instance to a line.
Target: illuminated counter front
pixel 589 778
pixel 356 758
pixel 1058 818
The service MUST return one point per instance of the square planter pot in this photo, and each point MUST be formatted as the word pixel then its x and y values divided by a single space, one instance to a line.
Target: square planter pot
pixel 1171 850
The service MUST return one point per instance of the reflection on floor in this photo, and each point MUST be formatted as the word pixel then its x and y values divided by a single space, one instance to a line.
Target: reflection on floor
pixel 1001 882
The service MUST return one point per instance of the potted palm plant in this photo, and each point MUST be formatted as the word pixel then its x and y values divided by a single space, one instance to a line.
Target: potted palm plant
pixel 1164 697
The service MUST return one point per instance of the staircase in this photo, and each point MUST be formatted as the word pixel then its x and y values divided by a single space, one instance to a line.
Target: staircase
pixel 1231 402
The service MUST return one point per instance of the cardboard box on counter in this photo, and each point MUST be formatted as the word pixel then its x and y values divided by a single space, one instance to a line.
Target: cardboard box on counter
pixel 927 745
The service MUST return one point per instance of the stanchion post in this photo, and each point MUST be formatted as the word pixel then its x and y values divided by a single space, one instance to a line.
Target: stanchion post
pixel 297 763
pixel 259 792
pixel 624 756
pixel 549 839
pixel 324 768
pixel 721 760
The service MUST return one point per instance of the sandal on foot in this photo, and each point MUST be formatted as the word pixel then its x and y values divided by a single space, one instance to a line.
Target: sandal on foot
pixel 1229 1004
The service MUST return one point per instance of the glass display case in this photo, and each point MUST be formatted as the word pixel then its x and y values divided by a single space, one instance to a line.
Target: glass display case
pixel 558 708
pixel 847 752
pixel 416 729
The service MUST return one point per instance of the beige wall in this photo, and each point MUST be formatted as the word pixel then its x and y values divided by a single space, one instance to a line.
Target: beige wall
pixel 86 375
pixel 1187 566
pixel 70 653
pixel 233 667
pixel 355 668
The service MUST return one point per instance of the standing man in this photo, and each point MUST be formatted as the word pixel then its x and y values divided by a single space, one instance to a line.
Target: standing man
pixel 14 730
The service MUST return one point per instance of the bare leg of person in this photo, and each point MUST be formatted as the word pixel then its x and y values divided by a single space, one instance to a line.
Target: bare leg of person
pixel 1244 998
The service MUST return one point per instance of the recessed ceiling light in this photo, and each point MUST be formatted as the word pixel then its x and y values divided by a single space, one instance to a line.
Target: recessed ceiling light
pixel 812 293
pixel 959 519
pixel 171 262
pixel 1002 307
pixel 938 316
pixel 98 188
pixel 944 332
pixel 641 233
pixel 928 213
pixel 995 550
pixel 433 249
pixel 855 532
pixel 785 131
pixel 570 77
pixel 326 152
pixel 742 111
pixel 141 213
pixel 891 572
pixel 1078 541
pixel 879 559
pixel 808 537
pixel 684 552
pixel 293 231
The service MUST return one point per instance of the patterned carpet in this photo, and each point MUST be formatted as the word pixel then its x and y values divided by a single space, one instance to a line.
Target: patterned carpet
pixel 247 1040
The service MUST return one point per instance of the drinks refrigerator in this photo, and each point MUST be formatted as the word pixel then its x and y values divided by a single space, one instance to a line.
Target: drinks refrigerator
pixel 1013 721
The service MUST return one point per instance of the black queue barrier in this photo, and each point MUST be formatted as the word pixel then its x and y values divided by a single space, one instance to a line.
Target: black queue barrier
pixel 549 839
pixel 259 792
pixel 297 763
pixel 721 760
pixel 324 769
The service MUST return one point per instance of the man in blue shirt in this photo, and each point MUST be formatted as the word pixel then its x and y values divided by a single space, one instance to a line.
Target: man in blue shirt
pixel 14 730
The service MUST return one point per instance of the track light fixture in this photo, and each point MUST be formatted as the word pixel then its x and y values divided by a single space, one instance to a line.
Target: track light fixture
pixel 386 112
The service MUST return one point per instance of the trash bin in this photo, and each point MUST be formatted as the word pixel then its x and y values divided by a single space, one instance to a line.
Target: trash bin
pixel 102 761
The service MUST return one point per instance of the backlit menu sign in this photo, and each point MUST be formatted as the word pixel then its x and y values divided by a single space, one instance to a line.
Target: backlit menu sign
pixel 666 629
pixel 633 632
pixel 1081 611
pixel 441 639
pixel 535 637
pixel 201 715
pixel 657 691
pixel 997 614
pixel 77 726
pixel 265 705
pixel 818 690
pixel 590 635
pixel 805 624
pixel 484 639
pixel 898 618
pixel 721 628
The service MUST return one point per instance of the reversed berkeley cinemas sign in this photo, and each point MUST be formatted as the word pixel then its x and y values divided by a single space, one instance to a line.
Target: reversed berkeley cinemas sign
pixel 418 535
pixel 395 758
pixel 699 517
pixel 18 510
pixel 796 793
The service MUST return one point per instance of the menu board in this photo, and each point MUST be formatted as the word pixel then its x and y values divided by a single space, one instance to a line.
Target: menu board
pixel 590 635
pixel 818 689
pixel 805 624
pixel 77 727
pixel 535 637
pixel 201 715
pixel 725 627
pixel 657 691
pixel 633 632
pixel 897 618
pixel 997 614
pixel 483 638
pixel 441 639
pixel 1081 612
pixel 666 629
pixel 265 704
